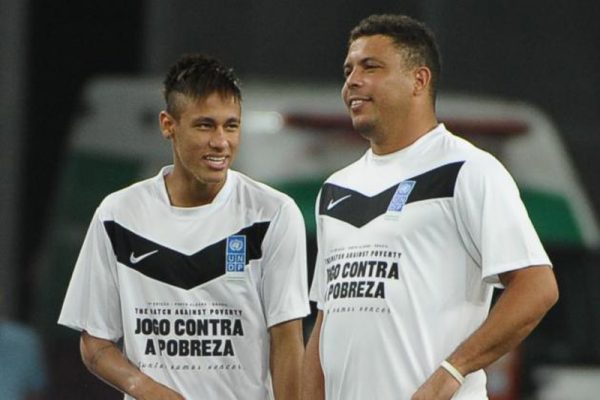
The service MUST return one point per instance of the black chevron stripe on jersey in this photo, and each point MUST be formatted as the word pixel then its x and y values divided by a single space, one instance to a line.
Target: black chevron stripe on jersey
pixel 357 209
pixel 174 268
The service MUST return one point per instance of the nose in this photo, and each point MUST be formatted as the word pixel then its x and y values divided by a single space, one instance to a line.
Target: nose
pixel 354 78
pixel 218 139
pixel 353 81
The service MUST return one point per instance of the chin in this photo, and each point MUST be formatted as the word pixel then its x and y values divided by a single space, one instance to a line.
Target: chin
pixel 365 128
pixel 211 178
pixel 217 179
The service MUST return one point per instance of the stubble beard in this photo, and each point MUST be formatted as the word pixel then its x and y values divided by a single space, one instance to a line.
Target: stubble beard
pixel 366 129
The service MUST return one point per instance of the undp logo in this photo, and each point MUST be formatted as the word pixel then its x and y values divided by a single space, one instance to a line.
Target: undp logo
pixel 401 196
pixel 406 187
pixel 235 255
pixel 236 245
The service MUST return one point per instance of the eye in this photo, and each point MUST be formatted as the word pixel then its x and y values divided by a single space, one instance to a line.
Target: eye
pixel 371 67
pixel 204 126
pixel 233 126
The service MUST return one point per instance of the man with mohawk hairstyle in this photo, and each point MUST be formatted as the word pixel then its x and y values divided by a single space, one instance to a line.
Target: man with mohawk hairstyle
pixel 199 270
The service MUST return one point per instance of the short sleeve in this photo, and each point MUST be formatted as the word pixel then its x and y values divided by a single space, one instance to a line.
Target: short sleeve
pixel 492 220
pixel 284 281
pixel 92 302
pixel 318 287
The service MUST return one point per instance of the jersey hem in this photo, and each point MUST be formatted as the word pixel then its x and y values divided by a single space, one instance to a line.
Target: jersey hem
pixel 320 304
pixel 98 333
pixel 493 276
pixel 285 317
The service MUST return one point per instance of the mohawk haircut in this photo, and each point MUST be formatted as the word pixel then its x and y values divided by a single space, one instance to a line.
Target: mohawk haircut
pixel 197 76
pixel 413 38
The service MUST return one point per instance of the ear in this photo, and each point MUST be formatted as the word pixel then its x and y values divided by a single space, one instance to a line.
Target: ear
pixel 167 124
pixel 422 81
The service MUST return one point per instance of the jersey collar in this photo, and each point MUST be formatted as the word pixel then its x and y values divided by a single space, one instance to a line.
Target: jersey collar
pixel 221 197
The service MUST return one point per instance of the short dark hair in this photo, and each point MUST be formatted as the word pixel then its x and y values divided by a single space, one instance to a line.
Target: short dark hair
pixel 198 76
pixel 410 35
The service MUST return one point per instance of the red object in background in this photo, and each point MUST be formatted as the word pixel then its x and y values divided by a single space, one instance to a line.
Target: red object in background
pixel 504 377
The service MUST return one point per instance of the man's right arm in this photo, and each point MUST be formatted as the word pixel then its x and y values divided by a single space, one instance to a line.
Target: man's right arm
pixel 105 360
pixel 313 383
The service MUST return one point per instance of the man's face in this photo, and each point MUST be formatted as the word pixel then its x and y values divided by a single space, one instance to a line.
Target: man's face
pixel 378 84
pixel 205 137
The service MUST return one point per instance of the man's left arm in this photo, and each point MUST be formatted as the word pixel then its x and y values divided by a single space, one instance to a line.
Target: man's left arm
pixel 528 295
pixel 287 351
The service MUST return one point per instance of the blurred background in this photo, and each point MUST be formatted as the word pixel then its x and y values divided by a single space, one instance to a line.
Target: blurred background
pixel 80 93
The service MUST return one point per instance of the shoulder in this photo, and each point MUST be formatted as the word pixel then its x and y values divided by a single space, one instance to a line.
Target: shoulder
pixel 483 166
pixel 481 173
pixel 130 196
pixel 457 147
pixel 477 163
pixel 256 194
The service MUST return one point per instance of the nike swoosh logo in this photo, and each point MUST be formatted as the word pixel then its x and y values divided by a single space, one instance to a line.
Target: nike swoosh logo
pixel 338 201
pixel 134 260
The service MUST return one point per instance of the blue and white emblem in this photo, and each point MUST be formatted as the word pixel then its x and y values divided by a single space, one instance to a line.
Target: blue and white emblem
pixel 235 254
pixel 401 196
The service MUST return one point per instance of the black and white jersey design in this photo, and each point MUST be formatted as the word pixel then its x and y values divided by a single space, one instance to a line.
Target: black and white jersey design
pixel 410 245
pixel 358 209
pixel 193 291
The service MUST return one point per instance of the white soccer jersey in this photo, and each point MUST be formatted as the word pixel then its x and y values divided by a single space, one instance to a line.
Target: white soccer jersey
pixel 193 291
pixel 410 245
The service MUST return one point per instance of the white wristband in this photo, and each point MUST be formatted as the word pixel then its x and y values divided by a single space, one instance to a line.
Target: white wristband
pixel 453 371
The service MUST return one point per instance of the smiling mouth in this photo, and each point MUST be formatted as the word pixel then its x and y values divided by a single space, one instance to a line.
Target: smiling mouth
pixel 355 104
pixel 216 162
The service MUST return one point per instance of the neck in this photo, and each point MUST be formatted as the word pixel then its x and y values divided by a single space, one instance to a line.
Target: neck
pixel 187 191
pixel 403 131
